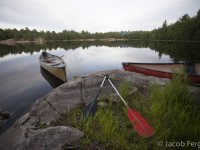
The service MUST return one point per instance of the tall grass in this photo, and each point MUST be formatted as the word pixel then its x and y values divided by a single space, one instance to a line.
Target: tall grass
pixel 104 128
pixel 168 109
pixel 175 117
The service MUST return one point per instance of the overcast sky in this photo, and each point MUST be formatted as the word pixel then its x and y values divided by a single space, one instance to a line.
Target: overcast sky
pixel 93 15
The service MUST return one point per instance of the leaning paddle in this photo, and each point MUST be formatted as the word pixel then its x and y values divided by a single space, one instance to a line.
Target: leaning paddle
pixel 140 125
pixel 91 108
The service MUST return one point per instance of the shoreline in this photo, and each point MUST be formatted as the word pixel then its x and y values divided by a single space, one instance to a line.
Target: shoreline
pixel 13 42
pixel 28 131
pixel 63 99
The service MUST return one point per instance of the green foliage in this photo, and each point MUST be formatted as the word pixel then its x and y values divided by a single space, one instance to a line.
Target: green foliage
pixel 175 116
pixel 125 88
pixel 186 28
pixel 72 118
pixel 42 125
pixel 168 109
pixel 104 128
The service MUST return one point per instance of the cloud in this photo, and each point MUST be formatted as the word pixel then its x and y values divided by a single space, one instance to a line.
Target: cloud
pixel 93 15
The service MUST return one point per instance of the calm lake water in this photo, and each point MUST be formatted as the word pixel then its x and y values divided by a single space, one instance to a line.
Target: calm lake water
pixel 22 82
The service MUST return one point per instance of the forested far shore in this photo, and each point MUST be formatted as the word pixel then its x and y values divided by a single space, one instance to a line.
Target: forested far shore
pixel 186 28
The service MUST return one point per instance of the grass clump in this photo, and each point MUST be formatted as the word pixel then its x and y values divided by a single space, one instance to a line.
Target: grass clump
pixel 168 109
pixel 175 117
pixel 42 125
pixel 73 118
pixel 105 129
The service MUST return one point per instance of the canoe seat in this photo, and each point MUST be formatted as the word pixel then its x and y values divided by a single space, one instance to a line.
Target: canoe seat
pixel 50 60
pixel 55 64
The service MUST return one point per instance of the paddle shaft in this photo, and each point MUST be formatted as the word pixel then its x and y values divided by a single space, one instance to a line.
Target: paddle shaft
pixel 92 102
pixel 126 104
pixel 117 92
pixel 100 88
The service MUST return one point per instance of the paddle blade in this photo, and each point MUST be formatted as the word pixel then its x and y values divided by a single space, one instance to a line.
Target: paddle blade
pixel 90 109
pixel 140 125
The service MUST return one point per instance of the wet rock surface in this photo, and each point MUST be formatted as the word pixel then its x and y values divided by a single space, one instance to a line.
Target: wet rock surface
pixel 25 134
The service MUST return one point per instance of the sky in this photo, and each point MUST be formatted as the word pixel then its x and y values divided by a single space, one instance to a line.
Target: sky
pixel 93 15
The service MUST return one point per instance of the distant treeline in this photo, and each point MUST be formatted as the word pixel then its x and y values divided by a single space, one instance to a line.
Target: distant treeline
pixel 186 28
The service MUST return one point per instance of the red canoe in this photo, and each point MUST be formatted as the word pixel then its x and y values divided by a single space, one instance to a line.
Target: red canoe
pixel 164 70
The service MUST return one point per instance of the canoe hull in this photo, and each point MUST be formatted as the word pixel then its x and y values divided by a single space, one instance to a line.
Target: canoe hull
pixel 161 70
pixel 52 80
pixel 57 72
pixel 54 65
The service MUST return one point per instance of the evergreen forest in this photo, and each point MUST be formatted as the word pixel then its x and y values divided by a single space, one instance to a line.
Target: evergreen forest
pixel 186 28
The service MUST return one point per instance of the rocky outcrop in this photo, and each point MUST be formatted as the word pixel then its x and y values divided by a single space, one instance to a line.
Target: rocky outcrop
pixel 25 134
pixel 52 138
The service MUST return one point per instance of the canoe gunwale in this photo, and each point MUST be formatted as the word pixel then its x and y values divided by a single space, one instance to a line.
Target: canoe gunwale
pixel 48 61
pixel 161 74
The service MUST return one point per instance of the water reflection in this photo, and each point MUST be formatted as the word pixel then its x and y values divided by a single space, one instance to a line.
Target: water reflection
pixel 21 85
pixel 178 51
pixel 52 80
